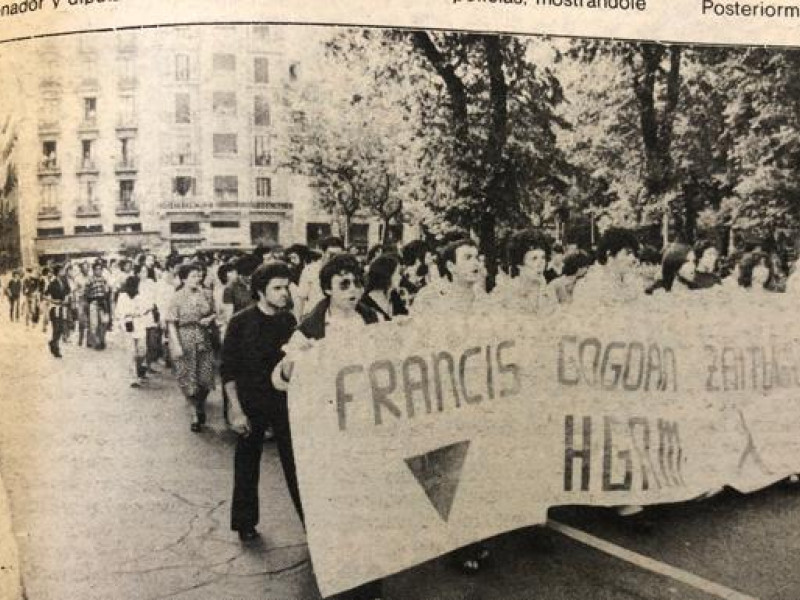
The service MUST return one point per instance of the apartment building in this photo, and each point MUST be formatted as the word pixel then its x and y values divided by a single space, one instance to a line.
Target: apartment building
pixel 159 140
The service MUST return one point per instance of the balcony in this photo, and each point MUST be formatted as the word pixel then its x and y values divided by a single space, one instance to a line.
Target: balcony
pixel 49 166
pixel 267 205
pixel 228 205
pixel 128 208
pixel 186 204
pixel 126 165
pixel 88 124
pixel 49 212
pixel 49 127
pixel 87 166
pixel 127 122
pixel 87 209
pixel 90 83
pixel 50 82
pixel 184 160
pixel 128 83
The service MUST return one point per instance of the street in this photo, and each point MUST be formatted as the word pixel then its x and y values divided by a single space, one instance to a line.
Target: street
pixel 114 497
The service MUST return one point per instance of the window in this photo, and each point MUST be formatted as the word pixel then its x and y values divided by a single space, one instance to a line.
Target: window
pixel 185 228
pixel 182 72
pixel 49 154
pixel 127 109
pixel 84 229
pixel 88 196
pixel 183 150
pixel 262 157
pixel 225 224
pixel 126 198
pixel 126 147
pixel 128 228
pixel 261 111
pixel 184 186
pixel 226 189
pixel 294 71
pixel 225 104
pixel 261 70
pixel 182 108
pixel 50 196
pixel 224 62
pixel 49 232
pixel 89 109
pixel 87 161
pixel 225 143
pixel 127 70
pixel 261 32
pixel 263 187
pixel 49 109
pixel 265 233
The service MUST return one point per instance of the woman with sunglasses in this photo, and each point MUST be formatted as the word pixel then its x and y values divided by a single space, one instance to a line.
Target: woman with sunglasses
pixel 341 313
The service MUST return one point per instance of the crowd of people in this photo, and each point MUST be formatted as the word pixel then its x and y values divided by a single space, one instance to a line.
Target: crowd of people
pixel 244 318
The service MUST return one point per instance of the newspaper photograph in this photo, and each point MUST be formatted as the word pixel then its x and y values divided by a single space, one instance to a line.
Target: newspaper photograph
pixel 425 301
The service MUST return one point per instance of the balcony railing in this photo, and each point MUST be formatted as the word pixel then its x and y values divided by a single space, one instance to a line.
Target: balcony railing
pixel 269 205
pixel 90 83
pixel 88 124
pixel 184 160
pixel 186 204
pixel 49 212
pixel 128 208
pixel 87 165
pixel 49 126
pixel 49 166
pixel 127 122
pixel 85 209
pixel 227 204
pixel 126 165
pixel 126 42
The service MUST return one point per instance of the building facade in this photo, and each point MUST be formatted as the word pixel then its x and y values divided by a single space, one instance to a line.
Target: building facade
pixel 160 140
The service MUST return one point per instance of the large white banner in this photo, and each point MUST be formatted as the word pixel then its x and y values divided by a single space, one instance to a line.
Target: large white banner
pixel 418 438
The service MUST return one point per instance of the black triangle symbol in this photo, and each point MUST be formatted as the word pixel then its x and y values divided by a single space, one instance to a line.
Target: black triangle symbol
pixel 439 473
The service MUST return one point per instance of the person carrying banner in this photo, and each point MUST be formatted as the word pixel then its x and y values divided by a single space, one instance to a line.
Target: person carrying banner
pixel 342 314
pixel 614 279
pixel 462 264
pixel 527 291
pixel 252 348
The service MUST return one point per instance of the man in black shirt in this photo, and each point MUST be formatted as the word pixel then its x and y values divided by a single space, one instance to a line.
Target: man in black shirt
pixel 56 294
pixel 251 350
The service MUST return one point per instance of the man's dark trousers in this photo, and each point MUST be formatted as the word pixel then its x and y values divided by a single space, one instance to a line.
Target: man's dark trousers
pixel 246 473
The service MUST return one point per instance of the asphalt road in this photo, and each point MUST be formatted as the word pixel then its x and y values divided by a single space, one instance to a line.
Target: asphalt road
pixel 114 498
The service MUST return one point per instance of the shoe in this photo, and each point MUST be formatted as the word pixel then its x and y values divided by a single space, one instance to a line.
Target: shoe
pixel 201 418
pixel 248 535
pixel 136 384
pixel 196 427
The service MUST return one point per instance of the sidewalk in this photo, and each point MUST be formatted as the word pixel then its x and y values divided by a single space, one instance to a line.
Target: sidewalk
pixel 10 584
pixel 114 497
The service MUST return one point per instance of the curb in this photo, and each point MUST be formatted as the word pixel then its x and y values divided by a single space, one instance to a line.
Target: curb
pixel 10 574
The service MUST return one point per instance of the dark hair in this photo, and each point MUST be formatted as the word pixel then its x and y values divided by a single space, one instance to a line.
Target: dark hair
pixel 222 272
pixel 185 270
pixel 266 273
pixel 381 270
pixel 615 240
pixel 340 264
pixel 523 242
pixel 131 286
pixel 45 271
pixel 330 242
pixel 575 261
pixel 247 264
pixel 300 249
pixel 748 264
pixel 414 251
pixel 674 258
pixel 557 248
